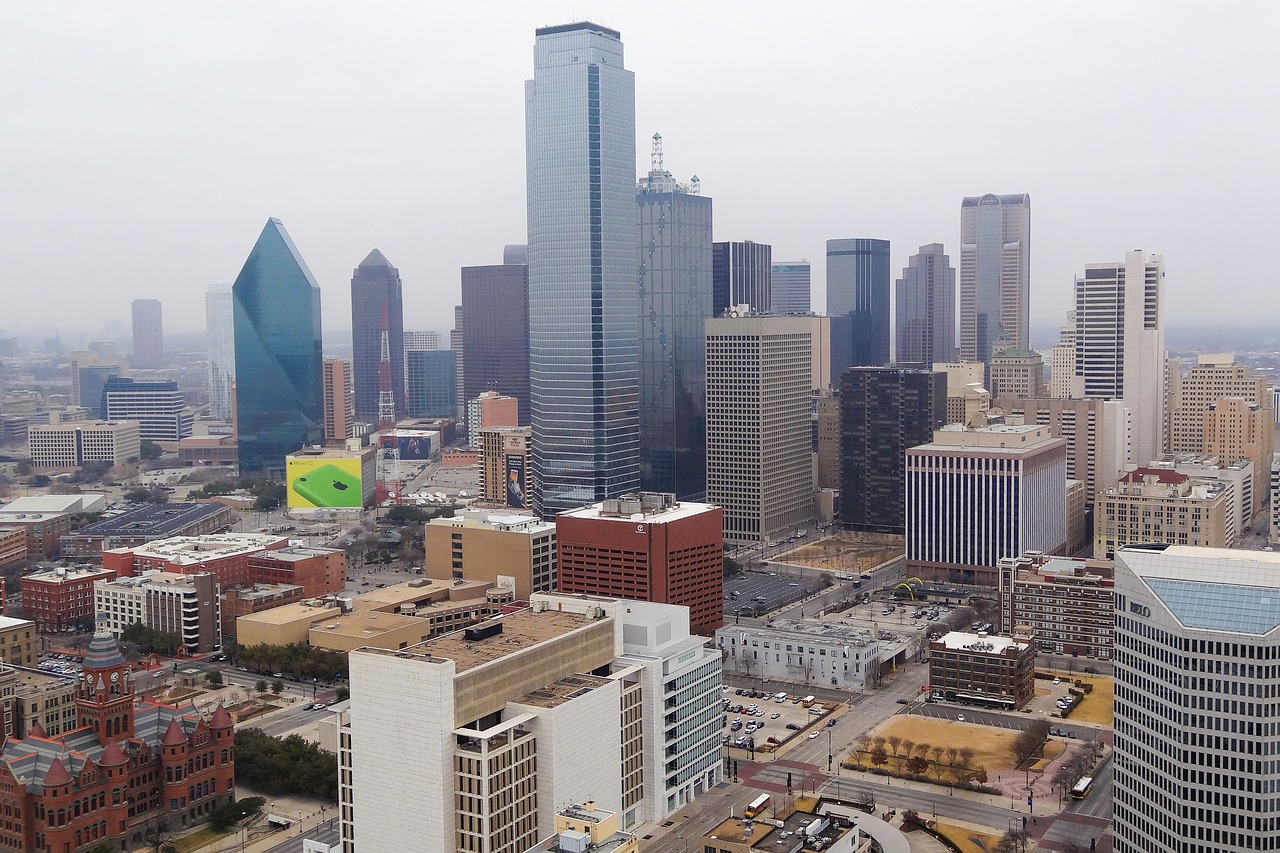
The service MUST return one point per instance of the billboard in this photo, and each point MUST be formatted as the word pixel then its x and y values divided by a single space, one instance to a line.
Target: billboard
pixel 516 494
pixel 415 445
pixel 324 482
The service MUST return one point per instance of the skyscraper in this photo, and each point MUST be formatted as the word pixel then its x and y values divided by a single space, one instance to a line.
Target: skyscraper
pixel 926 308
pixel 995 273
pixel 858 285
pixel 433 383
pixel 790 285
pixel 276 301
pixel 339 400
pixel 148 333
pixel 1120 352
pixel 495 338
pixel 583 335
pixel 674 302
pixel 376 306
pixel 220 339
pixel 740 275
pixel 883 412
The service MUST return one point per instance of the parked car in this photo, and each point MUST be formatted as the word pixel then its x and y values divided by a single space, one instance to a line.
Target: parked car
pixel 793 727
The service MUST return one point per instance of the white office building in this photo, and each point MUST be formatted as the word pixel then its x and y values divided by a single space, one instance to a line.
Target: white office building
pixel 824 654
pixel 1197 678
pixel 487 731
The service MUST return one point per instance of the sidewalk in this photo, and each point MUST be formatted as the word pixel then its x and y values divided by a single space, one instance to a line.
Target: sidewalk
pixel 306 814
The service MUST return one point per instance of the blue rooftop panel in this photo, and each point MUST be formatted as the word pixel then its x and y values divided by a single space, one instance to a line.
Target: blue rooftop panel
pixel 1218 606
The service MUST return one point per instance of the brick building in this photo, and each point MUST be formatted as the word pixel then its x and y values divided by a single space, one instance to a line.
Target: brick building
pixel 983 669
pixel 318 571
pixel 58 598
pixel 647 547
pixel 1068 604
pixel 142 523
pixel 246 600
pixel 13 545
pixel 44 530
pixel 127 762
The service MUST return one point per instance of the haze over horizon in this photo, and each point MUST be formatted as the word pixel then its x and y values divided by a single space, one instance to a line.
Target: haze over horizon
pixel 146 148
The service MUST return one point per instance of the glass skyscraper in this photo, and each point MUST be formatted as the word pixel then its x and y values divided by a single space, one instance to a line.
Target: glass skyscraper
pixel 789 287
pixel 995 274
pixel 583 347
pixel 279 403
pixel 376 304
pixel 674 288
pixel 495 337
pixel 221 338
pixel 858 285
pixel 433 383
pixel 926 308
pixel 741 274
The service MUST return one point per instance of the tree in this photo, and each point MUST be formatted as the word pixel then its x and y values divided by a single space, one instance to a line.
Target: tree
pixel 214 677
pixel 966 756
pixel 878 755
pixel 406 513
pixel 277 687
pixel 150 450
pixel 908 746
pixel 158 838
pixel 917 765
pixel 894 742
pixel 343 694
pixel 41 480
pixel 290 765
pixel 1030 740
pixel 229 814
pixel 261 686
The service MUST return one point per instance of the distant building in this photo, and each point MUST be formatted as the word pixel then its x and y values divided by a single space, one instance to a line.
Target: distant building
pixel 490 409
pixel 506 476
pixel 827 655
pixel 983 669
pixel 339 392
pixel 884 411
pixel 148 333
pixel 790 287
pixel 858 286
pixel 497 548
pixel 740 275
pixel 377 311
pixel 61 597
pixel 1063 382
pixel 995 274
pixel 1236 428
pixel 1151 505
pixel 328 480
pixel 1017 373
pixel 975 496
pixel 586 827
pixel 158 407
pixel 1274 533
pixel 828 439
pixel 1069 604
pixel 495 338
pixel 219 312
pixel 433 381
pixel 186 606
pixel 1237 477
pixel 646 547
pixel 39 700
pixel 73 444
pixel 19 643
pixel 967 394
pixel 13 545
pixel 926 309
pixel 141 523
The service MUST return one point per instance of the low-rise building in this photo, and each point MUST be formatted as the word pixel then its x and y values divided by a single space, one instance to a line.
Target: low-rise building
pixel 13 545
pixel 1237 476
pixel 226 555
pixel 45 522
pixel 62 597
pixel 39 699
pixel 18 642
pixel 1068 604
pixel 209 450
pixel 821 654
pixel 828 829
pixel 587 827
pixel 484 545
pixel 244 600
pixel 319 571
pixel 1159 505
pixel 984 669
pixel 138 524
pixel 184 605
pixel 68 445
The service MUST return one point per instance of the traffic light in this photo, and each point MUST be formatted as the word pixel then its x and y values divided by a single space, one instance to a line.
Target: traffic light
pixel 788 781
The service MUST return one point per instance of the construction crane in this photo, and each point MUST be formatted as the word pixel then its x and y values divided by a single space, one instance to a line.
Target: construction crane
pixel 388 445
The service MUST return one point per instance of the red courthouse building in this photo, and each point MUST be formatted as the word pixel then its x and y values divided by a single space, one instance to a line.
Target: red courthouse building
pixel 127 763
pixel 60 597
pixel 647 547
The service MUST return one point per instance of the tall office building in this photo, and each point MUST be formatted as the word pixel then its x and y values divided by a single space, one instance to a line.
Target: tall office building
pixel 433 382
pixel 884 411
pixel 1063 382
pixel 88 376
pixel 761 374
pixel 338 390
pixel 674 302
pixel 157 406
pixel 148 333
pixel 276 300
pixel 583 330
pixel 790 287
pixel 1197 636
pixel 741 275
pixel 455 344
pixel 1016 373
pixel 995 274
pixel 220 339
pixel 1120 352
pixel 495 338
pixel 377 306
pixel 926 308
pixel 858 285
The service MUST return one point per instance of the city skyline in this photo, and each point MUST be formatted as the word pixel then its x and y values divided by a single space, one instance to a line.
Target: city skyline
pixel 1150 201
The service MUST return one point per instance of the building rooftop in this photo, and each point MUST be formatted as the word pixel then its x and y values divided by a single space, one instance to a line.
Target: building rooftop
pixel 153 520
pixel 194 550
pixel 295 612
pixel 830 631
pixel 265 591
pixel 365 624
pixel 56 503
pixel 520 630
pixel 737 830
pixel 419 592
pixel 649 507
pixel 983 643
pixel 149 578
pixel 7 516
pixel 316 452
pixel 7 622
pixel 69 574
pixel 1158 475
pixel 502 521
pixel 298 553
pixel 33 680
pixel 1211 588
pixel 558 692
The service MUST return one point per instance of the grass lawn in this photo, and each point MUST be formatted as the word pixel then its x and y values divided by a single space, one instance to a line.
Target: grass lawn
pixel 967 840
pixel 199 838
pixel 1097 706
pixel 1053 747
pixel 991 746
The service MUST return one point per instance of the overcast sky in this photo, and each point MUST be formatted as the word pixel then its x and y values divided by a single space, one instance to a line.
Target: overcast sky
pixel 144 145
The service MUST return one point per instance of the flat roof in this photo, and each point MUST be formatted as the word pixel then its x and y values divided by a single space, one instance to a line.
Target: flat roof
pixel 194 550
pixel 330 453
pixel 1211 588
pixel 810 631
pixel 564 690
pixel 294 612
pixel 366 624
pixel 9 517
pixel 986 643
pixel 676 512
pixel 406 593
pixel 153 520
pixel 520 630
pixel 70 573
pixel 737 830
pixel 7 622
pixel 54 503
pixel 264 590
pixel 298 553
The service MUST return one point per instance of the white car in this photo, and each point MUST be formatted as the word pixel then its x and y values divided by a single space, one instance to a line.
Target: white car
pixel 1057 681
pixel 812 735
pixel 959 718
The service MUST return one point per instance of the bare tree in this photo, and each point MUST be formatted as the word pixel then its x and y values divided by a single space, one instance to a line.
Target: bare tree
pixel 966 755
pixel 894 742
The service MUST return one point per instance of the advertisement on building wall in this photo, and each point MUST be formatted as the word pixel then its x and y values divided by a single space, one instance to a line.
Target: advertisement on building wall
pixel 515 482
pixel 414 446
pixel 324 482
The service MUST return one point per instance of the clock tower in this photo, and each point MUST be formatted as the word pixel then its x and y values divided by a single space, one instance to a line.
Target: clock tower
pixel 104 701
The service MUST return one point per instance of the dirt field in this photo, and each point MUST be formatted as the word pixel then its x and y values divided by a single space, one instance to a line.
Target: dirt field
pixel 991 747
pixel 847 552
pixel 968 840
pixel 1098 706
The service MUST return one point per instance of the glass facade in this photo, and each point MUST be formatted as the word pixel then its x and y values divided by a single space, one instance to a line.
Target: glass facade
pixel 495 338
pixel 433 383
pixel 858 286
pixel 674 288
pixel 278 400
pixel 789 287
pixel 583 347
pixel 220 334
pixel 926 308
pixel 995 255
pixel 376 305
pixel 741 274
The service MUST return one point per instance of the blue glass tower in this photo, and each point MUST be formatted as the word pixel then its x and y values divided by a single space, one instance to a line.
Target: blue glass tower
pixel 276 310
pixel 580 137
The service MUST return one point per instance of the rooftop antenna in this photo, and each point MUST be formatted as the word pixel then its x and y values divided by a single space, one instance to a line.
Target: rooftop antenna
pixel 655 157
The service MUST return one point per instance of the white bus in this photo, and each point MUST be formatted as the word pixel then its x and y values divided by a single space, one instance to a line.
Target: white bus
pixel 757 806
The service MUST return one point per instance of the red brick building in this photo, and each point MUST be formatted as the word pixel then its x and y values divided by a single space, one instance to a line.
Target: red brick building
pixel 318 571
pixel 127 763
pixel 44 529
pixel 57 598
pixel 647 547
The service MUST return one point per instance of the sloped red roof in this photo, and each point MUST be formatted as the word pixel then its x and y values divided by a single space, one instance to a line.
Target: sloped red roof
pixel 57 774
pixel 173 736
pixel 1162 475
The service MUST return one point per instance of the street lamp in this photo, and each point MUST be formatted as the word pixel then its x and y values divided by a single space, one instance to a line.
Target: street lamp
pixel 829 753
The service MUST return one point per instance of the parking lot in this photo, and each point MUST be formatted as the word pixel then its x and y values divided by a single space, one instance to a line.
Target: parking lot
pixel 755 593
pixel 775 721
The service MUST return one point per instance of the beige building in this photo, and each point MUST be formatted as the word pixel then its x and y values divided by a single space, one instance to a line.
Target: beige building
pixel 67 445
pixel 1017 373
pixel 588 827
pixel 506 469
pixel 187 606
pixel 1077 526
pixel 339 393
pixel 828 451
pixel 1235 428
pixel 18 642
pixel 1214 377
pixel 1151 505
pixel 500 549
pixel 966 394
pixel 1063 382
pixel 1096 432
pixel 33 698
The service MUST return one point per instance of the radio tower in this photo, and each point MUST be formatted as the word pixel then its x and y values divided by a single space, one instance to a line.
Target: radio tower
pixel 389 446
